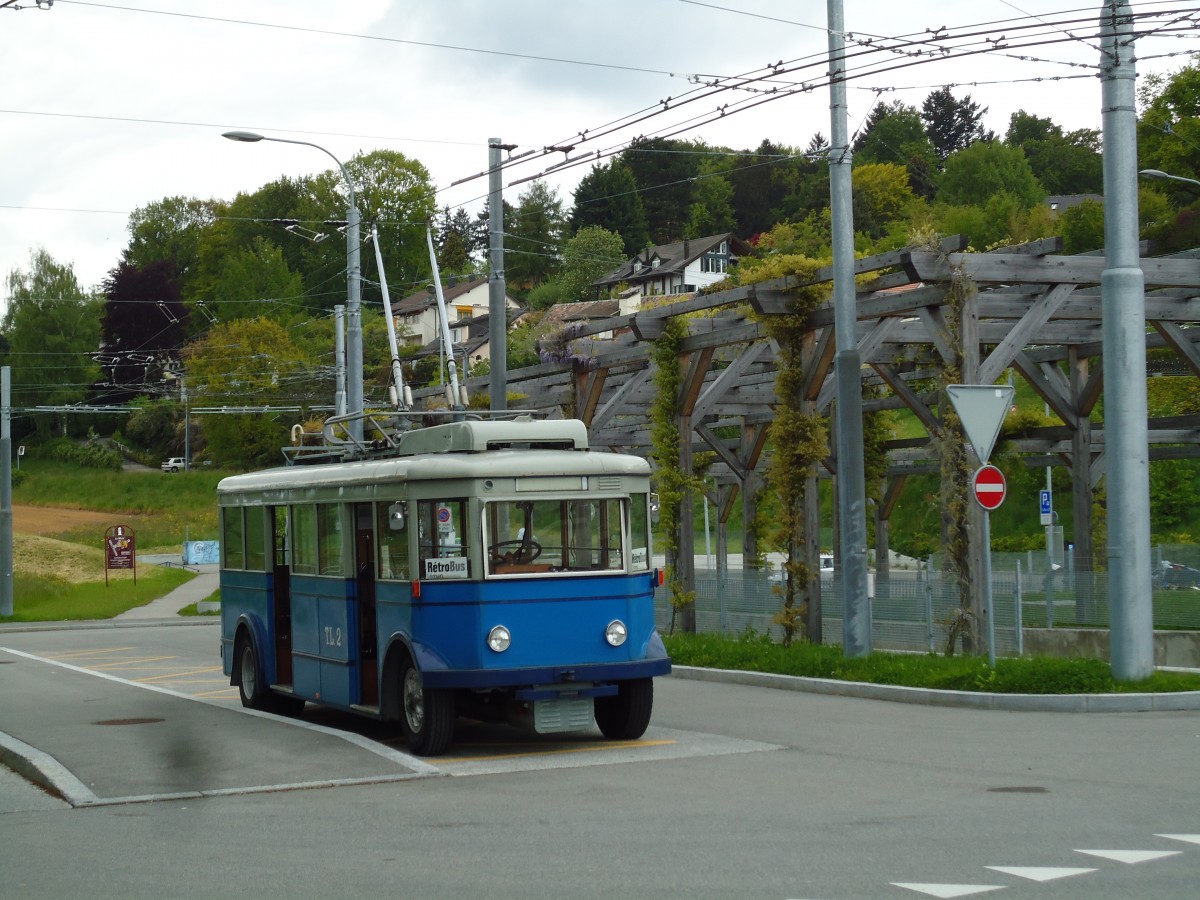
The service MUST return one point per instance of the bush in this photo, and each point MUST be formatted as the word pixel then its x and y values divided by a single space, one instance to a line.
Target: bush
pixel 90 455
pixel 1037 675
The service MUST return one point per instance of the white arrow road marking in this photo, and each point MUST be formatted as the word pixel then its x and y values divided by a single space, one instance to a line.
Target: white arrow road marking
pixel 1190 838
pixel 949 890
pixel 1131 856
pixel 1039 873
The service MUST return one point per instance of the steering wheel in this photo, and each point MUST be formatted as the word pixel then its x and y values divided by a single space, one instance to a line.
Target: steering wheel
pixel 520 551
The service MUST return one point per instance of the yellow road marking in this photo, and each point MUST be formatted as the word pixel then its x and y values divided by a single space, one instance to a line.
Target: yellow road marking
pixel 75 654
pixel 229 693
pixel 125 663
pixel 608 745
pixel 206 669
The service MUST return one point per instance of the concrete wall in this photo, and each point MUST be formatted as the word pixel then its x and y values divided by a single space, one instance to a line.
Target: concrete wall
pixel 1171 648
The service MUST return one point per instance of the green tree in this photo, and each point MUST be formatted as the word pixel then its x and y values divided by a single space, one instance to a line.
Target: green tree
pixel 984 169
pixel 246 362
pixel 881 195
pixel 895 134
pixel 255 281
pixel 51 328
pixel 1169 126
pixel 534 242
pixel 608 197
pixel 170 230
pixel 712 207
pixel 951 124
pixel 1063 163
pixel 663 170
pixel 592 253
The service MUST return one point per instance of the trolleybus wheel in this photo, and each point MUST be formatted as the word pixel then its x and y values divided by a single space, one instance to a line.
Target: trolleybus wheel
pixel 626 715
pixel 428 715
pixel 255 694
pixel 250 686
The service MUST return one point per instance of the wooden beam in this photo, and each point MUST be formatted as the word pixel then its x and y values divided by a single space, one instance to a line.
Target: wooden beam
pixel 1023 333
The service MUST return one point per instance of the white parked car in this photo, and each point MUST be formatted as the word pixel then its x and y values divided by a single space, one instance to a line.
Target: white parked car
pixel 174 464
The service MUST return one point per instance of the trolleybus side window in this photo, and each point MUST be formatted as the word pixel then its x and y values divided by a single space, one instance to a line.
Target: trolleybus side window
pixel 318 538
pixel 639 532
pixel 304 539
pixel 442 538
pixel 391 525
pixel 256 539
pixel 232 537
pixel 329 538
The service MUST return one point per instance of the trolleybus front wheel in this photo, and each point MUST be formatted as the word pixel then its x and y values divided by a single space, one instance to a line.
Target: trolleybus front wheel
pixel 428 715
pixel 626 715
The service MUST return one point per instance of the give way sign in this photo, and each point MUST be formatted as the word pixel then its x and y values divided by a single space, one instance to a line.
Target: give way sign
pixel 989 487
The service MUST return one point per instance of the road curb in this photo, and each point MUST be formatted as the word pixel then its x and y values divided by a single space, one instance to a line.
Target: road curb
pixel 1062 703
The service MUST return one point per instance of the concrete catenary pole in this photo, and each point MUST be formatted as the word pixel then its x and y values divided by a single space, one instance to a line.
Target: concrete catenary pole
pixel 339 358
pixel 497 308
pixel 851 480
pixel 1123 302
pixel 6 513
pixel 354 335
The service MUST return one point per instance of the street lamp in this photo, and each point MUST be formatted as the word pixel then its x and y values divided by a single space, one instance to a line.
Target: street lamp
pixel 354 347
pixel 1156 174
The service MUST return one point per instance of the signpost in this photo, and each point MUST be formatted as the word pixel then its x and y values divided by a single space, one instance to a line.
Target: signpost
pixel 120 550
pixel 1045 504
pixel 981 408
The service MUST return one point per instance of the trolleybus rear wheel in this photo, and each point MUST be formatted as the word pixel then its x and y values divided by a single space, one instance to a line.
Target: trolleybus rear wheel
pixel 626 715
pixel 250 687
pixel 255 693
pixel 428 715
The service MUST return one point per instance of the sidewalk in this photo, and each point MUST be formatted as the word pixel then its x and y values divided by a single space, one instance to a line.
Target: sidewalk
pixel 168 607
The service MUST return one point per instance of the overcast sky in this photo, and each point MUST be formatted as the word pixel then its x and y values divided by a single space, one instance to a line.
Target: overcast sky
pixel 108 106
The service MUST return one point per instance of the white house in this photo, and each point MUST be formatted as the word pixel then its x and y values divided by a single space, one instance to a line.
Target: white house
pixel 679 268
pixel 416 315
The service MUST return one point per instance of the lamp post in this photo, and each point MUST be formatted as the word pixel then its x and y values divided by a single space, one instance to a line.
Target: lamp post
pixel 1155 174
pixel 354 347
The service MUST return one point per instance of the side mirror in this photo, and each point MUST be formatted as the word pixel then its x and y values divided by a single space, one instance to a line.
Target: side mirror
pixel 655 508
pixel 396 519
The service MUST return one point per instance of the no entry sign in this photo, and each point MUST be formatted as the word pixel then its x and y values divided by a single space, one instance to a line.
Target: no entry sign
pixel 988 486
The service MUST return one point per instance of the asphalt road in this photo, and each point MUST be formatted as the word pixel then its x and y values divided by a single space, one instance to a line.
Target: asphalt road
pixel 735 791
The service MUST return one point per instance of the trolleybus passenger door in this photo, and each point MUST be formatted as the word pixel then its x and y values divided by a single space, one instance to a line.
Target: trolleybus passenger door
pixel 364 568
pixel 282 595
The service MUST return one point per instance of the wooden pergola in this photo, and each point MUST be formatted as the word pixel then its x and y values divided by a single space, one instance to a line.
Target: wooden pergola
pixel 1025 308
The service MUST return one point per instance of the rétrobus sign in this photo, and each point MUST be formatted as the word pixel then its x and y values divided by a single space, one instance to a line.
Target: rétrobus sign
pixel 448 567
pixel 120 550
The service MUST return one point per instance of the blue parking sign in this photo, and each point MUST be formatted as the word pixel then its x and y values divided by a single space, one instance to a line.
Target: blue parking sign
pixel 1045 498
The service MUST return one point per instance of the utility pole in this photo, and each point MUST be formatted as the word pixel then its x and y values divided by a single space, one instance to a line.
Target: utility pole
pixel 497 308
pixel 1123 302
pixel 851 477
pixel 339 358
pixel 6 513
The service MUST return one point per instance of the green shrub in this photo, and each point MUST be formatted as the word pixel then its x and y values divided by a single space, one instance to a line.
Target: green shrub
pixel 90 455
pixel 1038 675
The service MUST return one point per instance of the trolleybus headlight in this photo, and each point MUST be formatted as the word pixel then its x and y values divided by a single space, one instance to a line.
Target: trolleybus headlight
pixel 499 639
pixel 616 632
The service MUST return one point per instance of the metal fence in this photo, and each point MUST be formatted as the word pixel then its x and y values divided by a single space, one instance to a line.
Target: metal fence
pixel 912 608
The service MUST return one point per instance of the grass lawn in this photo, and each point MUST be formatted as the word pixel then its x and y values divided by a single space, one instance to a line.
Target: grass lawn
pixel 45 598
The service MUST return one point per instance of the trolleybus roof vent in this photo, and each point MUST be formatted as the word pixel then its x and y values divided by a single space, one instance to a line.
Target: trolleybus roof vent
pixel 477 436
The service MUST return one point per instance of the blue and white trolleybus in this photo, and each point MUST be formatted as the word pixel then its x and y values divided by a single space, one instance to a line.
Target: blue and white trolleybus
pixel 493 569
